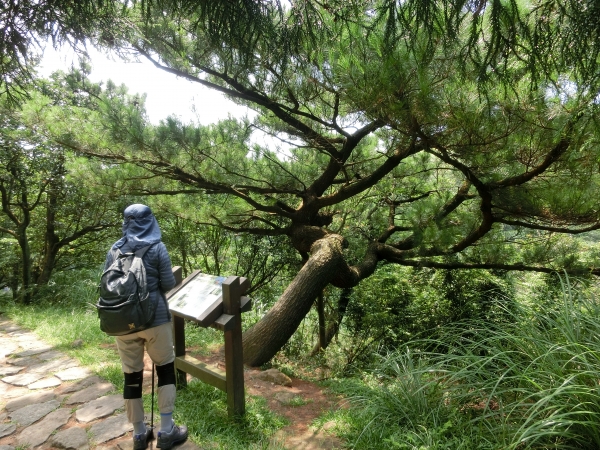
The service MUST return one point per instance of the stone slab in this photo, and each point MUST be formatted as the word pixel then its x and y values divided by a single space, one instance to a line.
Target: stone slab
pixel 26 400
pixel 52 354
pixel 90 393
pixel 8 328
pixel 23 362
pixel 74 373
pixel 8 348
pixel 32 413
pixel 45 383
pixel 38 433
pixel 6 369
pixel 70 439
pixel 34 349
pixel 102 407
pixel 74 387
pixel 9 391
pixel 24 379
pixel 53 365
pixel 111 428
pixel 6 429
pixel 6 447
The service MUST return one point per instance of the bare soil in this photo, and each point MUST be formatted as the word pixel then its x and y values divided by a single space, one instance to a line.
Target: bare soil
pixel 301 403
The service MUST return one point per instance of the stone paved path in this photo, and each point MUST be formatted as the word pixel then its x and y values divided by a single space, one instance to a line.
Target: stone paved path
pixel 48 401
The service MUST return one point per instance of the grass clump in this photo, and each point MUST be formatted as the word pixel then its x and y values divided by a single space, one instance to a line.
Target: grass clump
pixel 203 409
pixel 531 382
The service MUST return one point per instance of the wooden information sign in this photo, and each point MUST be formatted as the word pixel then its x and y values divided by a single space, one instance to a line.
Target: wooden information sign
pixel 214 301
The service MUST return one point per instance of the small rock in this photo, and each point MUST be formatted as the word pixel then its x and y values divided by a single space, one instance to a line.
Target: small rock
pixel 77 343
pixel 285 397
pixel 275 376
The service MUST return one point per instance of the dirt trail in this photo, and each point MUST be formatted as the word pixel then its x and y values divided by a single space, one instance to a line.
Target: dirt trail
pixel 301 403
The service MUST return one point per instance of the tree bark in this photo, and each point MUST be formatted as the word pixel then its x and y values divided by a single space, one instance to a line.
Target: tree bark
pixel 334 325
pixel 51 242
pixel 26 274
pixel 263 340
pixel 321 313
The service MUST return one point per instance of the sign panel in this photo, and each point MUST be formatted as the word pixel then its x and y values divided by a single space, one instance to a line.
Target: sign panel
pixel 197 296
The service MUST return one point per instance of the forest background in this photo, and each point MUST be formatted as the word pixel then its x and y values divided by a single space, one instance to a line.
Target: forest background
pixel 436 167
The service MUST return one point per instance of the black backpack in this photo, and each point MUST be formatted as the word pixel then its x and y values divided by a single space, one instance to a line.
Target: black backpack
pixel 124 306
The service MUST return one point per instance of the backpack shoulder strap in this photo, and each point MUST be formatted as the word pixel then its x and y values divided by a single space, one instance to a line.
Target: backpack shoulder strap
pixel 142 251
pixel 116 253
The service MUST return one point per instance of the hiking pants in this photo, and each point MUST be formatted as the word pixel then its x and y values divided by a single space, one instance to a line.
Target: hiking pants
pixel 158 342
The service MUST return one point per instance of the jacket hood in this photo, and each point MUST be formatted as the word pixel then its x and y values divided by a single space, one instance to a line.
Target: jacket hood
pixel 140 228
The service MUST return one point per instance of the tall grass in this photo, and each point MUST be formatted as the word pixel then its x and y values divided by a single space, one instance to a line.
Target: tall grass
pixel 532 382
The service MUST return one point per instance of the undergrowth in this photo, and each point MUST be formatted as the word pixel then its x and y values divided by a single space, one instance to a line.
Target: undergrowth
pixel 530 383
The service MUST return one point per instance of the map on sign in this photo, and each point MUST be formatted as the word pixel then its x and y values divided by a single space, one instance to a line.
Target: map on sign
pixel 197 295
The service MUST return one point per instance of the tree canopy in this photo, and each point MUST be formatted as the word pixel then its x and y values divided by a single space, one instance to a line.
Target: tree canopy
pixel 426 134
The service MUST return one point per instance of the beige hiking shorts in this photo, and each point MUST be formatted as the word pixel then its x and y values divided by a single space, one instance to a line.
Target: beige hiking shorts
pixel 157 341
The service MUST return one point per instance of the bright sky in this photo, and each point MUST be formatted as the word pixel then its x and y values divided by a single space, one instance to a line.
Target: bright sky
pixel 166 93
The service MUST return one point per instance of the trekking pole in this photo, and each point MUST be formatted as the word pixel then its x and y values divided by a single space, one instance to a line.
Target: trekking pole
pixel 152 404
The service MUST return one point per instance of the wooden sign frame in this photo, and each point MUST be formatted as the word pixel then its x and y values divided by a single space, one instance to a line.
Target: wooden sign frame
pixel 224 314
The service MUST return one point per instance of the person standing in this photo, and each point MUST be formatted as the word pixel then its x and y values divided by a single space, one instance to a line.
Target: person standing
pixel 141 229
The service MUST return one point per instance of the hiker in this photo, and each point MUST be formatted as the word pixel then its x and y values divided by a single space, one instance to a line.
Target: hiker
pixel 140 230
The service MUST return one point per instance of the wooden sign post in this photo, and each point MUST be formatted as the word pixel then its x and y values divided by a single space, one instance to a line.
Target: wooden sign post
pixel 217 302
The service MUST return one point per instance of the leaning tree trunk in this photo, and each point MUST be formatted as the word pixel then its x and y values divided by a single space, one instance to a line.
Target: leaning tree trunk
pixel 263 340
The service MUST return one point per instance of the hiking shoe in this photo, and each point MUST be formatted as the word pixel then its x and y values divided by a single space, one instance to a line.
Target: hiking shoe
pixel 140 441
pixel 167 440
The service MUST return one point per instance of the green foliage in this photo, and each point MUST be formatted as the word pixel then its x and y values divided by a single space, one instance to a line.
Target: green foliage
pixel 526 383
pixel 396 305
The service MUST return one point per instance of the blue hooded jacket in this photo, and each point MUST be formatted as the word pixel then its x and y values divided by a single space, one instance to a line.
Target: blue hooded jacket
pixel 141 229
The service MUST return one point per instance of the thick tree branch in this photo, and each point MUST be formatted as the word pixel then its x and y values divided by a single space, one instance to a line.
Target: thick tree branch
pixel 240 91
pixel 84 231
pixel 371 180
pixel 533 226
pixel 519 267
